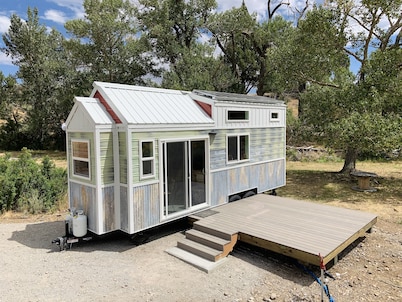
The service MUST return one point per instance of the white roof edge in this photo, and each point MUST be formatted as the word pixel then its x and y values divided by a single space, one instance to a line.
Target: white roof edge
pixel 101 85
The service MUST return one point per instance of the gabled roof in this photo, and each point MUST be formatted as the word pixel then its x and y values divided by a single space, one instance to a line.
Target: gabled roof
pixel 137 105
pixel 86 114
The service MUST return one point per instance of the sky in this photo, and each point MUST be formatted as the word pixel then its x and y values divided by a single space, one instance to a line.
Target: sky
pixel 54 13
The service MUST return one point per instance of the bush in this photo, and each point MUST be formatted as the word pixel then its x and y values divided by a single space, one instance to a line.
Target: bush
pixel 28 186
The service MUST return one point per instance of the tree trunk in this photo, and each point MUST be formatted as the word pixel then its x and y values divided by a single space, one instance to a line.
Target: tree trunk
pixel 350 161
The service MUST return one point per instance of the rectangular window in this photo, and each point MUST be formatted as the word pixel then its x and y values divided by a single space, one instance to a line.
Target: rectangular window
pixel 274 117
pixel 81 159
pixel 237 115
pixel 238 148
pixel 147 159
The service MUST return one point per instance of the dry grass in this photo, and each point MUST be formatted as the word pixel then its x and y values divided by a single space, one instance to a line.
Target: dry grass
pixel 311 180
pixel 320 182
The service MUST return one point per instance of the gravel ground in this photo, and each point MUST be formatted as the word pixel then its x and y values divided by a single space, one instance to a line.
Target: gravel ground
pixel 114 269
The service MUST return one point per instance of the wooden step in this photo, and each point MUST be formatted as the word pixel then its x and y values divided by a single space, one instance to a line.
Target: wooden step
pixel 200 249
pixel 207 239
pixel 213 232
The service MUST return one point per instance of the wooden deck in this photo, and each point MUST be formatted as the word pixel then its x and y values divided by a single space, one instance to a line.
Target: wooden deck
pixel 299 229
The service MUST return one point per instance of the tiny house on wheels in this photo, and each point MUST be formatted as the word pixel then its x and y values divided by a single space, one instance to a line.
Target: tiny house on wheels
pixel 139 157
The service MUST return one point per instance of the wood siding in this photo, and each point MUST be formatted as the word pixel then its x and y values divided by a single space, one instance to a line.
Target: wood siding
pixel 82 197
pixel 123 209
pixel 146 206
pixel 263 176
pixel 108 209
pixel 106 158
pixel 265 144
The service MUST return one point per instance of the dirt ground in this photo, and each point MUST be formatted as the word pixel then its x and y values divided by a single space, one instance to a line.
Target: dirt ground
pixel 114 269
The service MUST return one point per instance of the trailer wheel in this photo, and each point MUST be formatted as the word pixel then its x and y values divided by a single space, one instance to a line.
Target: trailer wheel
pixel 249 194
pixel 234 198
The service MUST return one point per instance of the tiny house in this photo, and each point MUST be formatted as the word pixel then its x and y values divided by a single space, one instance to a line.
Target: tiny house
pixel 139 157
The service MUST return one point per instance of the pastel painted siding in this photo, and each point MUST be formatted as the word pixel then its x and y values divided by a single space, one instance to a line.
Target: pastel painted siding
pixel 123 157
pixel 265 144
pixel 106 158
pixel 156 137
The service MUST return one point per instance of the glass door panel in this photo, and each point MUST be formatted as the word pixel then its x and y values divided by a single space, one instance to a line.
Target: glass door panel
pixel 198 172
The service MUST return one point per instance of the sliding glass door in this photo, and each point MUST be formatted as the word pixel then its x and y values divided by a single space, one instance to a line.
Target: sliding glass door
pixel 183 175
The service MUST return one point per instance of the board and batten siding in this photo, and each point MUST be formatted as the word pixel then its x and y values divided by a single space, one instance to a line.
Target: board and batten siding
pixel 106 158
pixel 87 136
pixel 108 209
pixel 258 116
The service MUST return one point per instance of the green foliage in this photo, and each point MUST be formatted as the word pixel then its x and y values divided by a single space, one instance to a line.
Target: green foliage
pixel 104 43
pixel 28 186
pixel 45 94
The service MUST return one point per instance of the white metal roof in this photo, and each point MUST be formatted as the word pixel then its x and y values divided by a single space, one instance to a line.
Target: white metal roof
pixel 152 106
pixel 95 110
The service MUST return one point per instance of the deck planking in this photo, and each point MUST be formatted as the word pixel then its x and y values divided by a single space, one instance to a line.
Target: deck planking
pixel 298 229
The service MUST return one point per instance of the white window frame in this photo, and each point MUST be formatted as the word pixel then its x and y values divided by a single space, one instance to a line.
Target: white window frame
pixel 274 119
pixel 82 159
pixel 246 120
pixel 238 159
pixel 143 159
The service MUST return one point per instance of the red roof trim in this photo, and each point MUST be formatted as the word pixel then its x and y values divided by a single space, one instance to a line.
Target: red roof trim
pixel 107 107
pixel 206 107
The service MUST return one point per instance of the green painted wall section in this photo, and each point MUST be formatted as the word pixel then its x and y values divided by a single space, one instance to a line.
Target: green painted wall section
pixel 106 157
pixel 123 157
pixel 156 136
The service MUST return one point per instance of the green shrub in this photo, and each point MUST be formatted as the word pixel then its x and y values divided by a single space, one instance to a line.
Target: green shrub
pixel 28 186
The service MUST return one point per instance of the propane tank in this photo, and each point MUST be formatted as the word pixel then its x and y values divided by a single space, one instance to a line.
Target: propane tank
pixel 80 224
pixel 69 222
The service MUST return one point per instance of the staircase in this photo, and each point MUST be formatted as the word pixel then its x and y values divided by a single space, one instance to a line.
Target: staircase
pixel 204 247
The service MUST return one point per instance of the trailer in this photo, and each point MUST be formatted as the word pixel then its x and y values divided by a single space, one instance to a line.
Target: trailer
pixel 139 157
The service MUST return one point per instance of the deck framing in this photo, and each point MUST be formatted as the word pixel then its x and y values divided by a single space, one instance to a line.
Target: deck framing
pixel 298 229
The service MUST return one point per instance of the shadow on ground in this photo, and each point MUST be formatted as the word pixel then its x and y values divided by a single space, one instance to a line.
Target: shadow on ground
pixel 40 236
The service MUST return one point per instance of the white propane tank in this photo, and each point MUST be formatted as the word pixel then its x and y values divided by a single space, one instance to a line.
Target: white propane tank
pixel 69 220
pixel 80 224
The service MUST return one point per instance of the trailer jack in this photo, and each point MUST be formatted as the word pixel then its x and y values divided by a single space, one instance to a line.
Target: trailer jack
pixel 66 242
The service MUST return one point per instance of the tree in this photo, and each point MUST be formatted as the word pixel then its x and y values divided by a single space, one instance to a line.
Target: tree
pixel 175 31
pixel 105 43
pixel 43 70
pixel 360 113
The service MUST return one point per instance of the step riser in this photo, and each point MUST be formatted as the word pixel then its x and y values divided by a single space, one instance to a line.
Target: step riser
pixel 197 252
pixel 212 232
pixel 206 242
